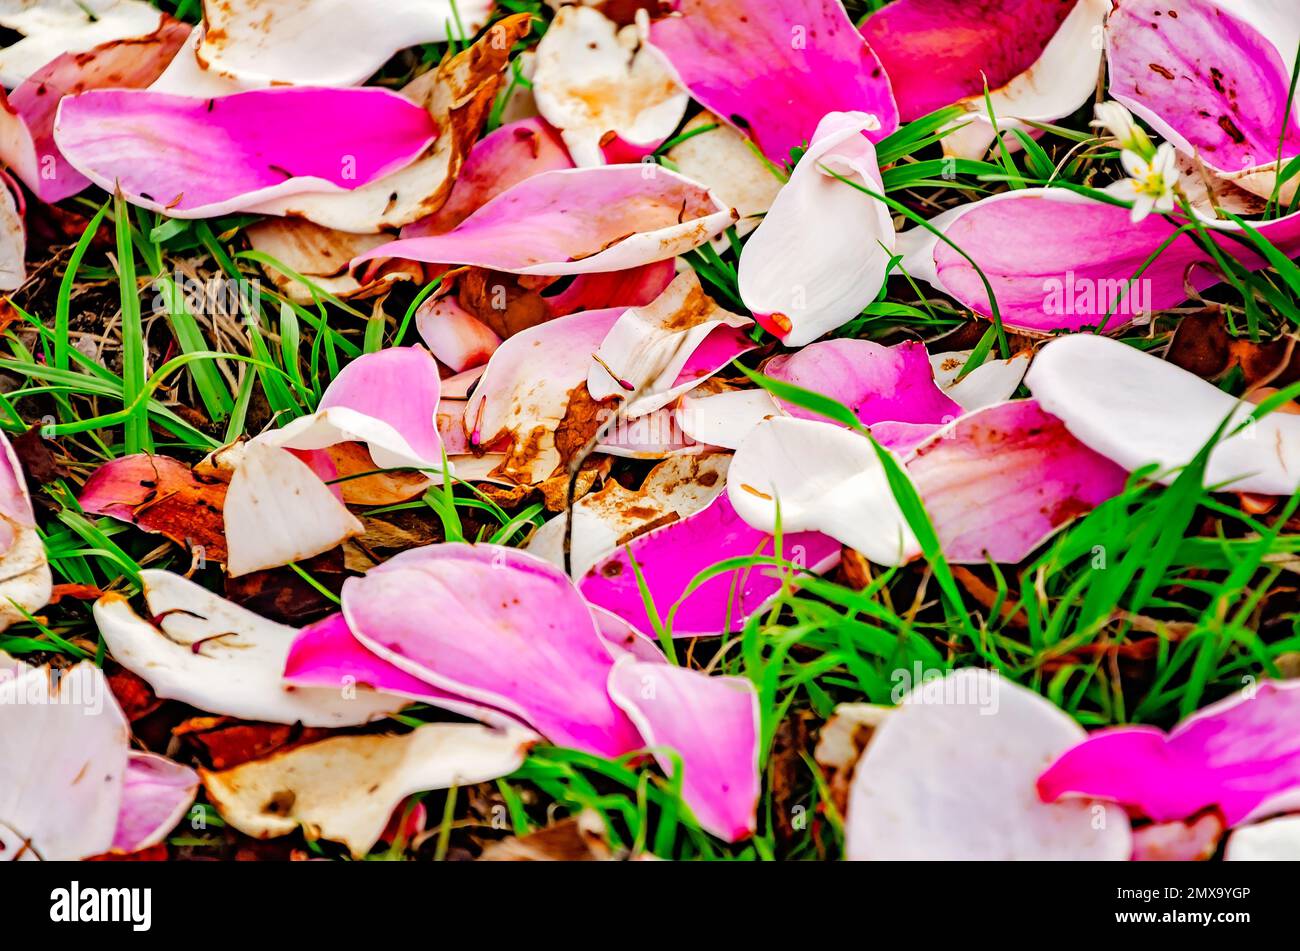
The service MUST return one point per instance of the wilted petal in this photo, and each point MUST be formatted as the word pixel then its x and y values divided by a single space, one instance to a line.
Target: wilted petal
pixel 1238 755
pixel 655 435
pixel 454 335
pixel 1192 841
pixel 713 725
pixel 27 122
pixel 1001 480
pixel 593 79
pixel 1136 409
pixel 322 255
pixel 458 95
pixel 163 496
pixel 156 794
pixel 326 42
pixel 63 756
pixel 672 557
pixel 821 253
pixel 950 775
pixel 13 242
pixel 773 70
pixel 658 352
pixel 279 511
pixel 51 28
pixel 214 655
pixel 577 221
pixel 878 383
pixel 158 148
pixel 25 580
pixel 730 166
pixel 1214 80
pixel 536 653
pixel 604 520
pixel 993 381
pixel 345 788
pixel 808 476
pixel 1277 840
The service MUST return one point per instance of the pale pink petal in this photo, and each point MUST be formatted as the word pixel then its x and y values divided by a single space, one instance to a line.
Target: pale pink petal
pixel 950 775
pixel 1000 481
pixel 52 28
pixel 535 650
pixel 822 252
pixel 593 81
pixel 878 383
pixel 158 148
pixel 654 435
pixel 577 221
pixel 454 335
pixel 773 70
pixel 156 794
pixel 671 557
pixel 13 241
pixel 1137 409
pixel 1237 755
pixel 712 724
pixel 27 121
pixel 25 579
pixel 1210 81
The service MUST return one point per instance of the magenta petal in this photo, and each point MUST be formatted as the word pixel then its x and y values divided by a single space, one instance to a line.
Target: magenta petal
pixel 937 52
pixel 878 383
pixel 1205 80
pixel 498 627
pixel 712 723
pixel 198 158
pixel 635 287
pixel 399 386
pixel 774 69
pixel 577 221
pixel 670 558
pixel 1001 480
pixel 1238 755
pixel 156 794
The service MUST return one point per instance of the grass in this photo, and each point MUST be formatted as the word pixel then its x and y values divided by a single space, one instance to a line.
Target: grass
pixel 1159 601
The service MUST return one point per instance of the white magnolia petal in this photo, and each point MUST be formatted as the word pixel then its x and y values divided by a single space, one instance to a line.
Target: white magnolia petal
pixel 1276 840
pixel 278 511
pixel 1136 409
pixel 993 381
pixel 725 419
pixel 951 775
pixel 224 659
pixel 51 28
pixel 812 476
pixel 186 76
pixel 821 253
pixel 345 788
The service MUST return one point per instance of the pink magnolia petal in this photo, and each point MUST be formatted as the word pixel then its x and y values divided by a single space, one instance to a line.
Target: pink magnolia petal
pixel 454 335
pixel 938 52
pixel 158 148
pixel 503 159
pixel 635 287
pixel 712 723
pixel 1001 480
pixel 878 383
pixel 156 794
pixel 671 557
pixel 1236 755
pixel 27 119
pixel 576 221
pixel 533 649
pixel 773 70
pixel 1207 80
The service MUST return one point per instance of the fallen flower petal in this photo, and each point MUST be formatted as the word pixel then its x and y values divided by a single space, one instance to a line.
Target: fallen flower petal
pixel 321 256
pixel 13 242
pixel 218 657
pixel 788 64
pixel 950 775
pixel 454 335
pixel 54 27
pixel 1239 755
pixel 282 141
pixel 712 723
pixel 720 158
pixel 1277 840
pixel 156 793
pixel 724 418
pixel 25 579
pixel 993 381
pixel 345 788
pixel 1192 841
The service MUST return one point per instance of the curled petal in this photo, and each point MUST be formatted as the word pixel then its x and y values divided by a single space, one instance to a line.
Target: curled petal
pixel 536 653
pixel 822 252
pixel 221 658
pixel 345 788
pixel 772 71
pixel 52 28
pixel 454 335
pixel 1136 409
pixel 712 724
pixel 321 256
pixel 157 148
pixel 593 79
pixel 156 794
pixel 950 775
pixel 993 381
pixel 577 221
pixel 1241 755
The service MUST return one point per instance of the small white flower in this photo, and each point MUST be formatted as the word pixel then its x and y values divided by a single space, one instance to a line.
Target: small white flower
pixel 1119 122
pixel 1150 185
